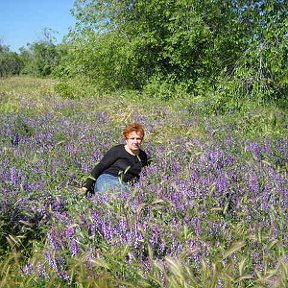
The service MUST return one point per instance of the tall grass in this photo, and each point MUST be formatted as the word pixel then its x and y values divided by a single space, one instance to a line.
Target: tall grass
pixel 210 210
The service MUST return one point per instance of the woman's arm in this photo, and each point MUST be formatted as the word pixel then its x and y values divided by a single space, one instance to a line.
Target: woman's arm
pixel 108 159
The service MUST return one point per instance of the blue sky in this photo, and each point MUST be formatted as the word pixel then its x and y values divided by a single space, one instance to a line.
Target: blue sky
pixel 23 21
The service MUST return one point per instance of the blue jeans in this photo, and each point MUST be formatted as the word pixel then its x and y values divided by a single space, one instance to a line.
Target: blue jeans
pixel 106 182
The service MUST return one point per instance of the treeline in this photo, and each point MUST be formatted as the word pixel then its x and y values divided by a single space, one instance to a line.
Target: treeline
pixel 10 62
pixel 39 59
pixel 229 50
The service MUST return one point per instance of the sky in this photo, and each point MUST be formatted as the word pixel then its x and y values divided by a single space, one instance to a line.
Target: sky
pixel 23 21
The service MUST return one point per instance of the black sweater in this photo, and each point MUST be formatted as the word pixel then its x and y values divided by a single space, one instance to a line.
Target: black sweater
pixel 118 162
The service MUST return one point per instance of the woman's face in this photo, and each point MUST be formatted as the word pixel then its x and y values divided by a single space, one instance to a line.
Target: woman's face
pixel 133 141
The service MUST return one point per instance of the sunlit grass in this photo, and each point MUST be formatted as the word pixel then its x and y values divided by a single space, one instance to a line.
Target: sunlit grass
pixel 26 85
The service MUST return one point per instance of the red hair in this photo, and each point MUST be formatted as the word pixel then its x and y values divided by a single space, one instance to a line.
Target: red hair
pixel 133 127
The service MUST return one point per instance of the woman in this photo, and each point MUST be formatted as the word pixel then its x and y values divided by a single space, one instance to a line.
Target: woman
pixel 121 165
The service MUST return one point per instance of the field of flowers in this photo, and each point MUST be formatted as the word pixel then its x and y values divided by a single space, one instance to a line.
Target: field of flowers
pixel 210 210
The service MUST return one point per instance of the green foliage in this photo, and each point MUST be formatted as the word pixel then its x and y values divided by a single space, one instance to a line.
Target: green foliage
pixel 259 75
pixel 228 52
pixel 10 62
pixel 164 88
pixel 134 41
pixel 65 90
pixel 41 58
pixel 76 88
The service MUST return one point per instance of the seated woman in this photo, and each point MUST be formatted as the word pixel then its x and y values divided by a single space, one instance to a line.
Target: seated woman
pixel 121 165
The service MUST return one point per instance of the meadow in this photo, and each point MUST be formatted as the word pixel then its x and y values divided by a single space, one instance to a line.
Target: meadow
pixel 209 211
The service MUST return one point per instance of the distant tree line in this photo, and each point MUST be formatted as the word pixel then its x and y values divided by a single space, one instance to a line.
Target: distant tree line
pixel 234 48
pixel 38 59
pixel 10 62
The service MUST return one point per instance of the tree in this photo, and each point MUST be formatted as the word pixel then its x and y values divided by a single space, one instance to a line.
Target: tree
pixel 10 62
pixel 261 72
pixel 134 40
pixel 40 58
pixel 126 44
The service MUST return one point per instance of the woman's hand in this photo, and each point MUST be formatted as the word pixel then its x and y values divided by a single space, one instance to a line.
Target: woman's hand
pixel 83 190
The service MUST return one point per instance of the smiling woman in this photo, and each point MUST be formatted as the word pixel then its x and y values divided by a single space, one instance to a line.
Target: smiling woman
pixel 121 165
